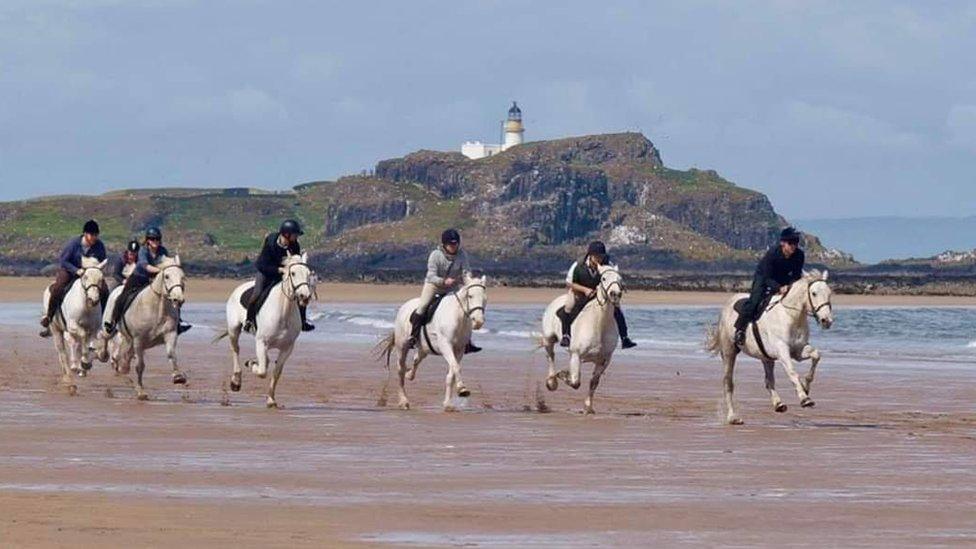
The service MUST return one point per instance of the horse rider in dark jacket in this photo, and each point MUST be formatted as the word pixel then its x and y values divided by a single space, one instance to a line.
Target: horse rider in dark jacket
pixel 125 264
pixel 277 246
pixel 69 268
pixel 777 270
pixel 581 282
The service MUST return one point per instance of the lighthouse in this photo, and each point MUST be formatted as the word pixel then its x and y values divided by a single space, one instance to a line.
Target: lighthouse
pixel 512 131
pixel 513 127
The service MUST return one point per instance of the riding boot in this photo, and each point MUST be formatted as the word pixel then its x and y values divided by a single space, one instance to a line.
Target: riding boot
pixel 306 327
pixel 250 324
pixel 471 348
pixel 740 330
pixel 566 325
pixel 182 327
pixel 625 341
pixel 415 326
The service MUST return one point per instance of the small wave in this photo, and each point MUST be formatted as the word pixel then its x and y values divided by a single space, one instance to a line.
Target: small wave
pixel 371 322
pixel 971 344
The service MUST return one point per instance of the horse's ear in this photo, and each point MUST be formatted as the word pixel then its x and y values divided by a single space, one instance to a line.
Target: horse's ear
pixel 304 257
pixel 484 280
pixel 177 260
pixel 102 265
pixel 825 273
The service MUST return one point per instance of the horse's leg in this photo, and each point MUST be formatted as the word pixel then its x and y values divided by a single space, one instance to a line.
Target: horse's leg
pixel 283 355
pixel 260 368
pixel 74 353
pixel 801 393
pixel 234 336
pixel 418 357
pixel 453 378
pixel 140 368
pixel 85 350
pixel 552 382
pixel 403 402
pixel 769 367
pixel 63 357
pixel 179 378
pixel 574 371
pixel 598 370
pixel 814 355
pixel 728 359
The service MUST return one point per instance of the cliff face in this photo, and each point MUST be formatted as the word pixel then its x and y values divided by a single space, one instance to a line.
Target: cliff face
pixel 528 208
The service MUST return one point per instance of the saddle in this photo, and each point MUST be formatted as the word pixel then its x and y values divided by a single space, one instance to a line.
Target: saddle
pixel 570 317
pixel 739 305
pixel 428 316
pixel 246 297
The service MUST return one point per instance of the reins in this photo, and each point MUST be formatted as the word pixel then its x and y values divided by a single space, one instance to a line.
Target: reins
pixel 168 289
pixel 467 295
pixel 813 309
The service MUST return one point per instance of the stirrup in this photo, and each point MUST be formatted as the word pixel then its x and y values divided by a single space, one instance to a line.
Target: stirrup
pixel 564 342
pixel 739 338
pixel 249 327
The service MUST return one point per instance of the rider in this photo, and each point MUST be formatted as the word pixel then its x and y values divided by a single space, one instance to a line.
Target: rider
pixel 277 246
pixel 145 270
pixel 126 263
pixel 69 268
pixel 581 283
pixel 781 266
pixel 447 267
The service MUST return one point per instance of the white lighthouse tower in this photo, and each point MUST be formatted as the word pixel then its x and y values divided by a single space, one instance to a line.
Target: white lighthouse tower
pixel 513 127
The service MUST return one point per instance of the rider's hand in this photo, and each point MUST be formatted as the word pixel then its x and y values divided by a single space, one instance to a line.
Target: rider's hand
pixel 783 290
pixel 80 272
pixel 591 294
pixel 449 281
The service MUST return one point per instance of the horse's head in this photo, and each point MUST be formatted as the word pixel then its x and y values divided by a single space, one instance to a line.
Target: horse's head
pixel 298 280
pixel 611 283
pixel 818 298
pixel 92 279
pixel 475 299
pixel 171 279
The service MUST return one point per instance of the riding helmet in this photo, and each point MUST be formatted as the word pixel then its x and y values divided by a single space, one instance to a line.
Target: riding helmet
pixel 450 236
pixel 91 227
pixel 290 226
pixel 154 232
pixel 132 246
pixel 790 235
pixel 596 248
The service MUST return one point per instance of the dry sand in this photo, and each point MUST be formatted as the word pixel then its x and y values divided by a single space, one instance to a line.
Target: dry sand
pixel 216 289
pixel 882 460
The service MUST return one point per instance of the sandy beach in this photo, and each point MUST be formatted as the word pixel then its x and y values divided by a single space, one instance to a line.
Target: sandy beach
pixel 884 459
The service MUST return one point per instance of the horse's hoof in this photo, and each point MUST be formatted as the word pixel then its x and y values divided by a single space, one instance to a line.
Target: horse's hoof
pixel 464 392
pixel 450 408
pixel 781 407
pixel 142 396
pixel 235 385
pixel 588 411
pixel 72 390
pixel 272 404
pixel 575 385
pixel 179 378
pixel 85 366
pixel 552 383
pixel 735 421
pixel 82 373
pixel 404 405
pixel 807 402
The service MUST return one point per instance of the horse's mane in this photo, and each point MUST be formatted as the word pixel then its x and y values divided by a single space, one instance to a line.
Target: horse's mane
pixel 608 267
pixel 166 261
pixel 291 260
pixel 89 262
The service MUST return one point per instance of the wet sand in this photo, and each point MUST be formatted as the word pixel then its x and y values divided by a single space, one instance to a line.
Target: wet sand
pixel 884 459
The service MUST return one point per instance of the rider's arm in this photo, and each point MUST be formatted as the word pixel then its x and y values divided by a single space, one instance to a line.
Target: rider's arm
pixel 765 272
pixel 66 260
pixel 98 251
pixel 432 276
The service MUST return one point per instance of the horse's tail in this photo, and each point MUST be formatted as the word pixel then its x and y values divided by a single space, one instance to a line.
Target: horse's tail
pixel 220 335
pixel 712 342
pixel 385 348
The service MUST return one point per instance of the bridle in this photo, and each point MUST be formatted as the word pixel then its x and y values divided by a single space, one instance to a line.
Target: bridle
pixel 813 309
pixel 467 295
pixel 606 288
pixel 291 280
pixel 169 289
pixel 81 278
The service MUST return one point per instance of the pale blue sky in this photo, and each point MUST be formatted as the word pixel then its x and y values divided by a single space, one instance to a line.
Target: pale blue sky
pixel 832 109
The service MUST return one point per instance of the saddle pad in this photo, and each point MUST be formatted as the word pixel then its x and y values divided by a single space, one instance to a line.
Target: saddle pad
pixel 246 296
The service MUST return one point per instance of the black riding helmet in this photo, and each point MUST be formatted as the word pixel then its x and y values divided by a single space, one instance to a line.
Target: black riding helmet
pixel 154 233
pixel 132 246
pixel 450 236
pixel 91 227
pixel 790 235
pixel 289 227
pixel 597 249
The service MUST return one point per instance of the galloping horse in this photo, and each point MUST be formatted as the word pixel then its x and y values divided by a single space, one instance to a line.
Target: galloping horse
pixel 594 335
pixel 75 325
pixel 784 332
pixel 151 320
pixel 279 322
pixel 447 334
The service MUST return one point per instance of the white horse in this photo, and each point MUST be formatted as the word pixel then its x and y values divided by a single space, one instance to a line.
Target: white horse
pixel 75 325
pixel 151 320
pixel 785 333
pixel 278 322
pixel 593 335
pixel 448 333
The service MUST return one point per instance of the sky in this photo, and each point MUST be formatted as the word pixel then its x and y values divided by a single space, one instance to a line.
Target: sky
pixel 833 109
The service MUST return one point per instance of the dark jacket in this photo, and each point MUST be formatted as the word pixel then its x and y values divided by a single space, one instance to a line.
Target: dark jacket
pixel 775 270
pixel 272 254
pixel 74 250
pixel 118 269
pixel 584 275
pixel 146 257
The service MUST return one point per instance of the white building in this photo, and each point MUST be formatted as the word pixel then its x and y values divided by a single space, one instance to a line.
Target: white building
pixel 512 129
